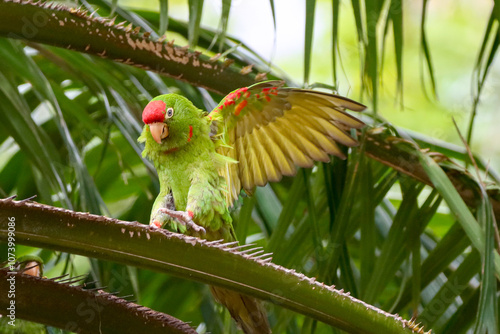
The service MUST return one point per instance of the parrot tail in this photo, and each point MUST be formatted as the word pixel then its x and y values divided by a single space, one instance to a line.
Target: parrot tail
pixel 247 311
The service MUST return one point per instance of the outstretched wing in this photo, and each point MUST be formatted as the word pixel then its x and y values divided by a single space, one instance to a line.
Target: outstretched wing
pixel 270 129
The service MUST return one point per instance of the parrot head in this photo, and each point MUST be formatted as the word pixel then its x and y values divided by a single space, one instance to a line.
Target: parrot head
pixel 170 121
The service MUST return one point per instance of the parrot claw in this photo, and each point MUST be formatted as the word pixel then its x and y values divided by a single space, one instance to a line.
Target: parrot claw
pixel 184 218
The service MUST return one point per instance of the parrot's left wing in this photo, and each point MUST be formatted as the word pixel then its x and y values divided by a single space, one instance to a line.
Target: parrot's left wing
pixel 269 129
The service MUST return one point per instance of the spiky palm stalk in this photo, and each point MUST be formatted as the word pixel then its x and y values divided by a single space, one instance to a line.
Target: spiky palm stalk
pixel 260 133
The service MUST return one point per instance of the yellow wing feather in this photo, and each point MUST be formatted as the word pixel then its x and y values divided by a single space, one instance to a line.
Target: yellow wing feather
pixel 244 158
pixel 272 129
pixel 266 164
pixel 282 162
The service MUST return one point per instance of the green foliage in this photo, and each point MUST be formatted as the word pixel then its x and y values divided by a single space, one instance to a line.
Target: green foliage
pixel 370 225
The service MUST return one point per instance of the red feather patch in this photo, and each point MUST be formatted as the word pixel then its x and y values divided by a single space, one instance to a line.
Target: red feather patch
pixel 154 112
pixel 239 107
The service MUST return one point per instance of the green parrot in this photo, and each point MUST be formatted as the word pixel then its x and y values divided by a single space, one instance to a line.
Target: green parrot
pixel 255 135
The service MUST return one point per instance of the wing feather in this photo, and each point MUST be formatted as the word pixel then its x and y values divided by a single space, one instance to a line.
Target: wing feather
pixel 256 161
pixel 280 153
pixel 326 112
pixel 273 129
pixel 304 140
pixel 323 140
pixel 266 161
pixel 326 127
pixel 244 163
pixel 326 99
pixel 292 146
pixel 229 169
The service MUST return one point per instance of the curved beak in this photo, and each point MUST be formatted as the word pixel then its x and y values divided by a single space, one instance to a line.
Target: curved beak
pixel 158 130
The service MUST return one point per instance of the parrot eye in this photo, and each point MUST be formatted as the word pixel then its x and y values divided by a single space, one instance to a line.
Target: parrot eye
pixel 170 112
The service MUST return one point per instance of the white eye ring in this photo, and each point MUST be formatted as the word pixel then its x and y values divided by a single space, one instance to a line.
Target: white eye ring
pixel 170 112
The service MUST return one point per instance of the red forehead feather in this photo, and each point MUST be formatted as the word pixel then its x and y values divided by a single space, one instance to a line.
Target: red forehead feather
pixel 154 112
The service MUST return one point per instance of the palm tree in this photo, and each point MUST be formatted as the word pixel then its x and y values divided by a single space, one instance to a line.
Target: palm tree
pixel 73 83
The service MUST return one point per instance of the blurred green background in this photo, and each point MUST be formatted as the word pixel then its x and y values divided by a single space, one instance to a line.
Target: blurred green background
pixel 455 30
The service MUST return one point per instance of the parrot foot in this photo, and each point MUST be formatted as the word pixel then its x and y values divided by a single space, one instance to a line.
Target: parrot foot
pixel 185 218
